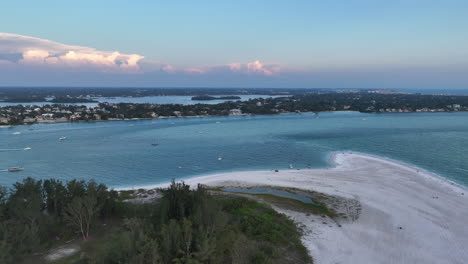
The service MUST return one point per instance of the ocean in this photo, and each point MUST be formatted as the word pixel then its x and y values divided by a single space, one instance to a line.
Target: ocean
pixel 122 154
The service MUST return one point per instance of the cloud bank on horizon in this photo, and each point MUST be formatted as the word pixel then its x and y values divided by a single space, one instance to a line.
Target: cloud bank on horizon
pixel 36 52
pixel 30 61
pixel 29 52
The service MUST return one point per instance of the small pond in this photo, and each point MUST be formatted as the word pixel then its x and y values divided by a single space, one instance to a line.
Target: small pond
pixel 296 196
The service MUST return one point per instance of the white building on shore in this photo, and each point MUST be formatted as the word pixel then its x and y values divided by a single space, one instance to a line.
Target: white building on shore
pixel 235 112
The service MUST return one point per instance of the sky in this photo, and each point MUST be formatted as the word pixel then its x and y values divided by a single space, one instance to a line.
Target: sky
pixel 288 44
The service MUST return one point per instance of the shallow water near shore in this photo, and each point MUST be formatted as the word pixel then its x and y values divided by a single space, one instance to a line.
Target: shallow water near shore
pixel 121 154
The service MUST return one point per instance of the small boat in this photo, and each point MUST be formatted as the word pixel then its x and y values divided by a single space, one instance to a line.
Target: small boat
pixel 217 122
pixel 17 133
pixel 27 148
pixel 155 144
pixel 291 166
pixel 220 158
pixel 62 138
pixel 12 169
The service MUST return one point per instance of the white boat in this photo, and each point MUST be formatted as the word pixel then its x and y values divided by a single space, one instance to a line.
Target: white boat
pixel 12 169
pixel 17 133
pixel 217 122
pixel 62 138
pixel 220 158
pixel 27 148
pixel 291 166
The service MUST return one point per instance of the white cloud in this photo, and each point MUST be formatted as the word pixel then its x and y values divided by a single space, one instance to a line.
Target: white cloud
pixel 255 67
pixel 25 51
pixel 42 52
pixel 194 70
pixel 34 56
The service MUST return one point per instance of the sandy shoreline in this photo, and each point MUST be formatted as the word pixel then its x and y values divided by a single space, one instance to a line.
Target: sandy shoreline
pixel 408 215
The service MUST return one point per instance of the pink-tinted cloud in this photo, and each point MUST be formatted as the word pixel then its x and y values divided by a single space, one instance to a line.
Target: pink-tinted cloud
pixel 251 68
pixel 168 68
pixel 35 53
pixel 261 68
pixel 195 70
pixel 41 52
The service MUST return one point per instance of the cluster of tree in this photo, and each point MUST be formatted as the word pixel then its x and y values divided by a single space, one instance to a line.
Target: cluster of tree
pixel 184 226
pixel 68 100
pixel 34 213
pixel 371 102
pixel 38 94
pixel 314 102
pixel 362 102
pixel 129 110
pixel 192 226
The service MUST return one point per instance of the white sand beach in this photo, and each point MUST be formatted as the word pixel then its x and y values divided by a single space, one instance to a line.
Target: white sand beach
pixel 408 215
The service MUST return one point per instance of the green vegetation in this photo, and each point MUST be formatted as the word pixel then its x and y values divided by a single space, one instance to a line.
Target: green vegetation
pixel 364 101
pixel 33 94
pixel 296 205
pixel 318 207
pixel 183 226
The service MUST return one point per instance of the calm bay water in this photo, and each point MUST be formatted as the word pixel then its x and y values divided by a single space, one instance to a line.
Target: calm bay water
pixel 170 99
pixel 121 154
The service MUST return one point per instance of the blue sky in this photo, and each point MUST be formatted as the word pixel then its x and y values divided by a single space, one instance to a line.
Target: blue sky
pixel 354 43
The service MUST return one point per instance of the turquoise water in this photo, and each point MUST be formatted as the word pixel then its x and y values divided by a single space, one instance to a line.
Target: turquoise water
pixel 121 154
pixel 280 193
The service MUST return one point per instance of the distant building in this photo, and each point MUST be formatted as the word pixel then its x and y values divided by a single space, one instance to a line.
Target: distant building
pixel 75 117
pixel 29 120
pixel 235 112
pixel 48 116
pixel 177 113
pixel 4 120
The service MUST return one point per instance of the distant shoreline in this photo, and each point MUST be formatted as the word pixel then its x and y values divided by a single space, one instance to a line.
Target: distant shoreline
pixel 201 116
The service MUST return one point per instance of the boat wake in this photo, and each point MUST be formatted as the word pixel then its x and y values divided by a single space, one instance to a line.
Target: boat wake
pixel 5 150
pixel 19 149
